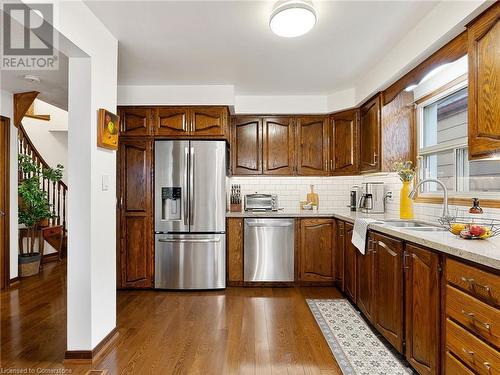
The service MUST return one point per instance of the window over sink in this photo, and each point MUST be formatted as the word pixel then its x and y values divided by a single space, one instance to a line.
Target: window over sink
pixel 442 126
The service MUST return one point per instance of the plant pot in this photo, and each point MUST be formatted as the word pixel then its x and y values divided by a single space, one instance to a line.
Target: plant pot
pixel 43 223
pixel 29 265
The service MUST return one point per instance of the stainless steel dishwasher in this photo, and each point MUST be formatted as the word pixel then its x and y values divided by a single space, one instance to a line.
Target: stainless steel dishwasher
pixel 268 250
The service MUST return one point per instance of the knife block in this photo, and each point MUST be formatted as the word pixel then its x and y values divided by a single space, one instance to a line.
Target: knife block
pixel 235 207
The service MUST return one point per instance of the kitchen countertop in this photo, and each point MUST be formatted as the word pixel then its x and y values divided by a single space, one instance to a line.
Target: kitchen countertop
pixel 485 252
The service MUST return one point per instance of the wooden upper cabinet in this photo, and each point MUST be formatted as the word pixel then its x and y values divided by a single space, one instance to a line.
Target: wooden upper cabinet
pixel 278 146
pixel 422 291
pixel 369 136
pixel 344 143
pixel 350 255
pixel 136 121
pixel 312 146
pixel 388 308
pixel 208 121
pixel 135 255
pixel 365 280
pixel 246 145
pixel 316 257
pixel 171 121
pixel 484 84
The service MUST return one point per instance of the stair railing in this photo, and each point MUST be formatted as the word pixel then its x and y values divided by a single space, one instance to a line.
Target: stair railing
pixel 57 192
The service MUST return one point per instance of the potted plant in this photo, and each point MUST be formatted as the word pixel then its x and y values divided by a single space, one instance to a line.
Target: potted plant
pixel 406 172
pixel 34 208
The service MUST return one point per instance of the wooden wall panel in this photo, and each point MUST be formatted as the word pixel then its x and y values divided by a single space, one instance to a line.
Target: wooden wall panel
pixel 398 130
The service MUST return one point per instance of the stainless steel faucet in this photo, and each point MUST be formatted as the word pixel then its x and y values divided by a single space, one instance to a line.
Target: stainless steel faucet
pixel 446 212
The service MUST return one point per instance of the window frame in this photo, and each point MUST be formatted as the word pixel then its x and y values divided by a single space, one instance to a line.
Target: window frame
pixel 488 199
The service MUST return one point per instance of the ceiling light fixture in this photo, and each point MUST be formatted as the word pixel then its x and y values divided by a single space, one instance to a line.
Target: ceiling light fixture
pixel 292 18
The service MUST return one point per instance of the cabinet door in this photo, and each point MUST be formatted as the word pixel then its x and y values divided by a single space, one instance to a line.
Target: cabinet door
pixel 484 86
pixel 344 143
pixel 235 249
pixel 389 302
pixel 171 121
pixel 312 146
pixel 369 149
pixel 135 121
pixel 350 254
pixel 208 121
pixel 135 255
pixel 422 309
pixel 316 258
pixel 278 146
pixel 246 145
pixel 338 255
pixel 365 268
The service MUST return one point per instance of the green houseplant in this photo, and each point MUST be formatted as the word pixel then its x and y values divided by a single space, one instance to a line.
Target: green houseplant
pixel 34 207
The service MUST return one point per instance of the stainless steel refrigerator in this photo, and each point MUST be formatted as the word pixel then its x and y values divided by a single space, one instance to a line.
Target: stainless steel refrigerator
pixel 190 207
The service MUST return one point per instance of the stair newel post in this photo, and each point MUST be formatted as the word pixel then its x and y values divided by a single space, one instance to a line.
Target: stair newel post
pixel 53 201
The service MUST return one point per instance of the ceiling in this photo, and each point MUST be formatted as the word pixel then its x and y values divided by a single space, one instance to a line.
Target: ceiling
pixel 229 42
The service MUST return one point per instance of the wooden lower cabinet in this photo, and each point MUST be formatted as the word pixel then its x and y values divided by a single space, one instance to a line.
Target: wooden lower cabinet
pixel 338 255
pixel 365 279
pixel 315 249
pixel 135 226
pixel 234 250
pixel 472 319
pixel 388 307
pixel 422 290
pixel 350 255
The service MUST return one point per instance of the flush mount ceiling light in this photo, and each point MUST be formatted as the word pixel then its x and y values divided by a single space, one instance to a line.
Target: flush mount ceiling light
pixel 292 18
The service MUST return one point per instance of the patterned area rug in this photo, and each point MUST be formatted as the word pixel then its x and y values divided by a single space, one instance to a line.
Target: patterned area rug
pixel 356 348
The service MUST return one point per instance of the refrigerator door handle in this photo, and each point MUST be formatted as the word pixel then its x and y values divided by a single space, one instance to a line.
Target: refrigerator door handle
pixel 198 240
pixel 191 186
pixel 185 196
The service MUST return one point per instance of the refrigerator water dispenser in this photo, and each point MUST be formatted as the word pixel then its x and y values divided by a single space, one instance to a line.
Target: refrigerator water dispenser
pixel 171 203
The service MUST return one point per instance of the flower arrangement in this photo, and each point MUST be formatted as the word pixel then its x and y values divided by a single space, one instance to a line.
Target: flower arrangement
pixel 405 170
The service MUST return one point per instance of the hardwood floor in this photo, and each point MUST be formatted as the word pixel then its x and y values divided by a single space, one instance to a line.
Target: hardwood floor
pixel 236 331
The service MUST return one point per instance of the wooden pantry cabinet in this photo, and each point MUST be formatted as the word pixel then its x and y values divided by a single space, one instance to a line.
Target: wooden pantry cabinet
pixel 135 219
pixel 484 86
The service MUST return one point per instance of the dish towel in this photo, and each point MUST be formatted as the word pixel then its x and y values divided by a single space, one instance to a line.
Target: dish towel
pixel 359 232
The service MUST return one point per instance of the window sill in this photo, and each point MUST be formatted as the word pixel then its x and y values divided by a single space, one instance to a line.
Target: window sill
pixel 458 201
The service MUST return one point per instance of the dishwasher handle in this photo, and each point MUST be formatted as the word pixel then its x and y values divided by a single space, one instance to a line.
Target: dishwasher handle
pixel 198 240
pixel 264 225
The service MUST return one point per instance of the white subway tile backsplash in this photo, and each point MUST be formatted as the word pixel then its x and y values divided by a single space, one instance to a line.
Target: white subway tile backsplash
pixel 334 193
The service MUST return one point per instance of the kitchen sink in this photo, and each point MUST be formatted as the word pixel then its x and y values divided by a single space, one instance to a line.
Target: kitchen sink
pixel 428 229
pixel 405 224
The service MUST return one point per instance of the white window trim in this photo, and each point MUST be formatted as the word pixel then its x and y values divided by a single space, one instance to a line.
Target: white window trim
pixel 458 143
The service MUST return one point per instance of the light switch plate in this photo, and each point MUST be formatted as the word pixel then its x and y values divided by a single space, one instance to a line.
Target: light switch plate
pixel 105 182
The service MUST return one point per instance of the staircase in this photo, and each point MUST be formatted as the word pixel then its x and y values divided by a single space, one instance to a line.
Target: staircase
pixel 56 191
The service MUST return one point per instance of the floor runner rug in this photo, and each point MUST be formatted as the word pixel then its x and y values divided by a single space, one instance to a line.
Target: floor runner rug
pixel 356 348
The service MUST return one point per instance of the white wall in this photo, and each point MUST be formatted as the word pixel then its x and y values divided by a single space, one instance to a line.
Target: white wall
pixel 6 109
pixel 92 258
pixel 50 138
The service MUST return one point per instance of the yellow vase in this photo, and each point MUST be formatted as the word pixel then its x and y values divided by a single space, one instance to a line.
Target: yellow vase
pixel 405 203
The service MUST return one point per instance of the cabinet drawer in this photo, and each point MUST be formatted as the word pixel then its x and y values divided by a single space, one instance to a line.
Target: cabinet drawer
pixel 480 318
pixel 479 283
pixel 454 367
pixel 478 355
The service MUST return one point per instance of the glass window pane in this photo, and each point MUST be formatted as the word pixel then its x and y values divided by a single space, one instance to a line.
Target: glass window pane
pixel 483 175
pixel 440 165
pixel 446 119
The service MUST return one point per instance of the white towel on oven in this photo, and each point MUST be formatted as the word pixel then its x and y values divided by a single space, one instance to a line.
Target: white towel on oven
pixel 359 232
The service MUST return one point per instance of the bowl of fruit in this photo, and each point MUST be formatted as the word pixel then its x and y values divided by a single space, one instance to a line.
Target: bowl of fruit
pixel 471 228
